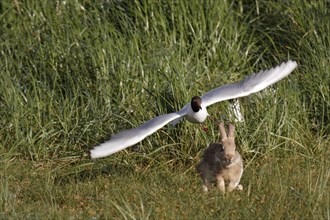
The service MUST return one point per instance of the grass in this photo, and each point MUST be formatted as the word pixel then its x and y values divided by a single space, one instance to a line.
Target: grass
pixel 74 72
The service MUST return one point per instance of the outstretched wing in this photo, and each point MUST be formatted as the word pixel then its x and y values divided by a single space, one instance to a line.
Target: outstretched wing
pixel 250 84
pixel 130 137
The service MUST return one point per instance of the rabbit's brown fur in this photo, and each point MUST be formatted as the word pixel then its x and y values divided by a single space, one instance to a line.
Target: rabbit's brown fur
pixel 221 163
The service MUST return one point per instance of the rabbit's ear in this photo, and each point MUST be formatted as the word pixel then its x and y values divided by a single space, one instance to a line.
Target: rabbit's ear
pixel 231 131
pixel 222 131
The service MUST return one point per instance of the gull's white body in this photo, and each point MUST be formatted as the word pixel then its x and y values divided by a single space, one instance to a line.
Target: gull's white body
pixel 250 84
pixel 196 117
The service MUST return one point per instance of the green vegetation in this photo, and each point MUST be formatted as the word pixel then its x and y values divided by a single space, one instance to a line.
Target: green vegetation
pixel 74 72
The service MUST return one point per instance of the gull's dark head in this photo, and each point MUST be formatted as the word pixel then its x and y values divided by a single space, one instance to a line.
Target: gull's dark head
pixel 196 103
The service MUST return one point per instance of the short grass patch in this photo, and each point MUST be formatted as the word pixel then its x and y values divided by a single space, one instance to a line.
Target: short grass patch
pixel 274 188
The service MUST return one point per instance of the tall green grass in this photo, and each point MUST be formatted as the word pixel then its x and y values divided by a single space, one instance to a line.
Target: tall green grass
pixel 74 72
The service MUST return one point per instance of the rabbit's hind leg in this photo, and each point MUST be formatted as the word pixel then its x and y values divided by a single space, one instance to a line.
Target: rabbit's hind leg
pixel 206 186
pixel 239 187
pixel 234 185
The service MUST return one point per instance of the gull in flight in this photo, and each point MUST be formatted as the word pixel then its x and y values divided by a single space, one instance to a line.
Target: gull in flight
pixel 195 111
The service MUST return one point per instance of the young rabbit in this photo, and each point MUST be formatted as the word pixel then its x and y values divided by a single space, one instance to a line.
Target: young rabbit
pixel 221 163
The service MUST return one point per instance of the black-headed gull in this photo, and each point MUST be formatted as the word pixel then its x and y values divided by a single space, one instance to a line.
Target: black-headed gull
pixel 195 111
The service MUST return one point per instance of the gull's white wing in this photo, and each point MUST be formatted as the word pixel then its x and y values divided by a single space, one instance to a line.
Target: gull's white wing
pixel 250 84
pixel 130 137
pixel 183 110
